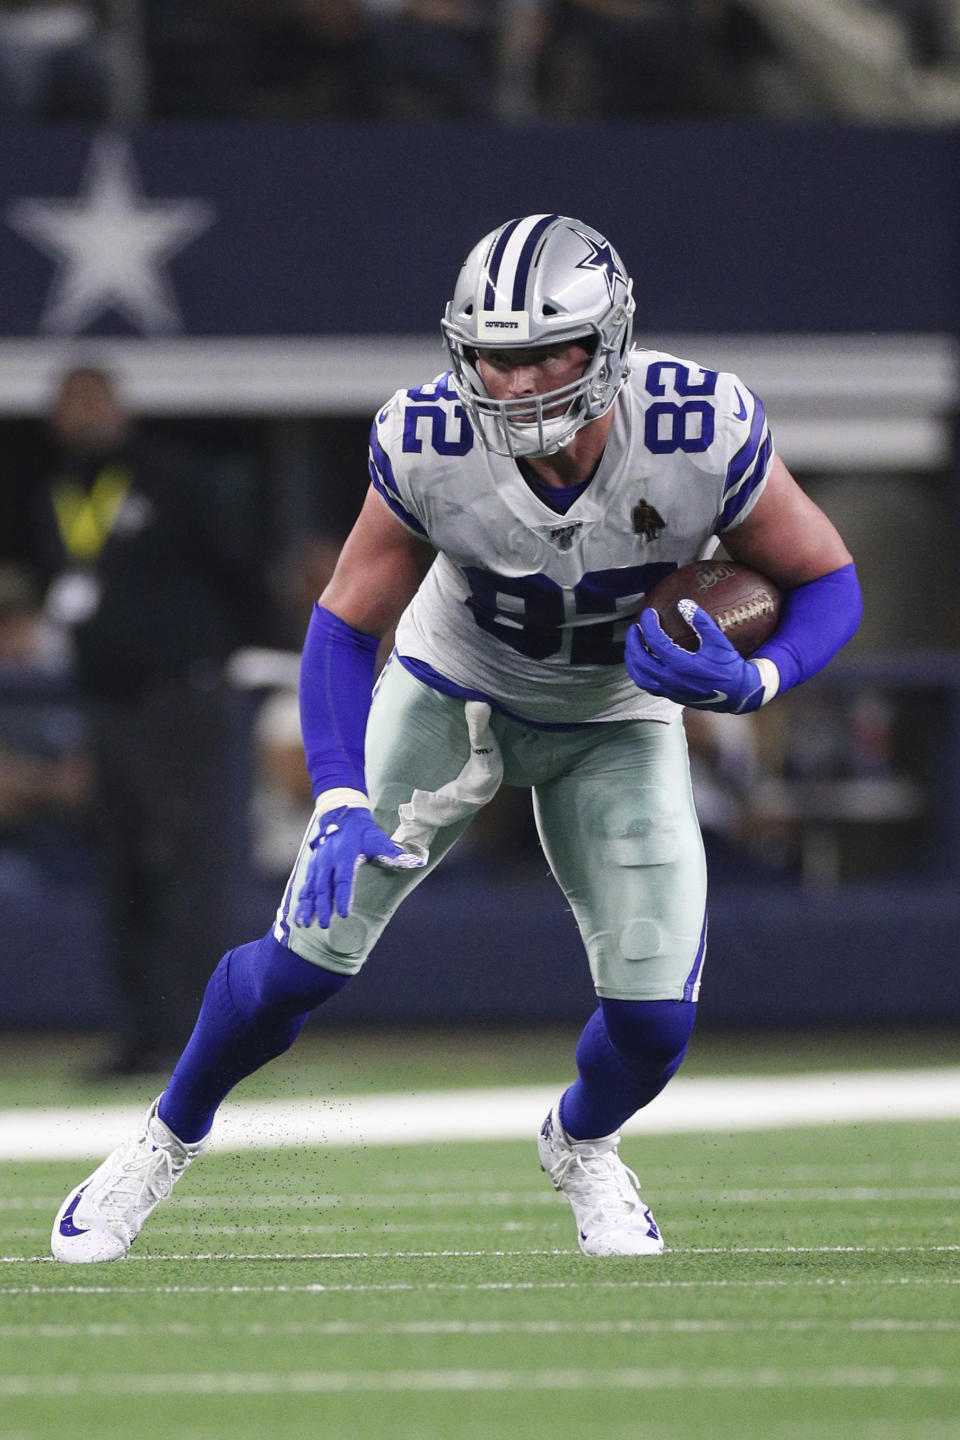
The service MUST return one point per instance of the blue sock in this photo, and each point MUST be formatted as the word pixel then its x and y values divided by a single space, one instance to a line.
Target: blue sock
pixel 254 1007
pixel 628 1051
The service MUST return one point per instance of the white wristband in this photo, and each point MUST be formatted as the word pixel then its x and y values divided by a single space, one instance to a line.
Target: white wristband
pixel 770 676
pixel 333 799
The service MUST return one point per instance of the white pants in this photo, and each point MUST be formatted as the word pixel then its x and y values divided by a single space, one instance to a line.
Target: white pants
pixel 616 819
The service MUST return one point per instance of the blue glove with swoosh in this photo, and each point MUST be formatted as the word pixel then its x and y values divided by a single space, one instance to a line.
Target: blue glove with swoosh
pixel 348 837
pixel 713 677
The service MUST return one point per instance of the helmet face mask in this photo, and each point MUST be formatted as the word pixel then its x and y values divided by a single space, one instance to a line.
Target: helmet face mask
pixel 544 280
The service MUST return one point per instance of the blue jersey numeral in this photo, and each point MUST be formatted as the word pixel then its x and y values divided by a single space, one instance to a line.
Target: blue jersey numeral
pixel 682 384
pixel 689 427
pixel 440 389
pixel 597 594
pixel 527 612
pixel 441 439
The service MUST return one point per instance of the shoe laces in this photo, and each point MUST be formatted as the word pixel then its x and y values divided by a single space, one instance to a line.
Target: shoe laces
pixel 145 1178
pixel 603 1181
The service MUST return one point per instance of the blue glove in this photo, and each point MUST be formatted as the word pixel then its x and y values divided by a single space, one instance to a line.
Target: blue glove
pixel 348 836
pixel 714 677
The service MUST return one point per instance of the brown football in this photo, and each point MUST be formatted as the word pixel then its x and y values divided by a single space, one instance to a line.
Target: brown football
pixel 744 603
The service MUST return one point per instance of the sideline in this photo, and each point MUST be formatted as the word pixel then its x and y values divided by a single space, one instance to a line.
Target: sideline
pixel 514 1113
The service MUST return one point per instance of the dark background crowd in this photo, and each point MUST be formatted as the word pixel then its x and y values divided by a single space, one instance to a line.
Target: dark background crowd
pixel 566 60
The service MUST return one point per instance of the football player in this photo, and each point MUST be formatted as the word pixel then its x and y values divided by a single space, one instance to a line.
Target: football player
pixel 553 474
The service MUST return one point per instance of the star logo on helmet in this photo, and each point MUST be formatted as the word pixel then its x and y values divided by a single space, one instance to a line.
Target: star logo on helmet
pixel 601 257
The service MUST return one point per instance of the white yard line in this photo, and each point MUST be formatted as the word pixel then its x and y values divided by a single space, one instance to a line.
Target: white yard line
pixel 349 1329
pixel 294 1382
pixel 488 1253
pixel 257 1257
pixel 514 1113
pixel 448 1287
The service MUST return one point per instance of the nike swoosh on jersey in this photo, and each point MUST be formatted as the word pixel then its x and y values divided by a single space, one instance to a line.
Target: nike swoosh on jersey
pixel 741 412
pixel 67 1226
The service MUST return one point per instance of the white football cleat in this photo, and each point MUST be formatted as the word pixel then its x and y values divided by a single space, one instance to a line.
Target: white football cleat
pixel 611 1218
pixel 101 1218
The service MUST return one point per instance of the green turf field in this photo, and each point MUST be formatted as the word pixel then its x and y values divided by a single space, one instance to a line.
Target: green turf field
pixel 810 1290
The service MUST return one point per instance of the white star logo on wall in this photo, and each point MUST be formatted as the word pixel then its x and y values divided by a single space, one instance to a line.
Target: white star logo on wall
pixel 110 245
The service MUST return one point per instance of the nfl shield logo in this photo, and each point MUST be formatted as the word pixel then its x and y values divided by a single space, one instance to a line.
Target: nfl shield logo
pixel 563 536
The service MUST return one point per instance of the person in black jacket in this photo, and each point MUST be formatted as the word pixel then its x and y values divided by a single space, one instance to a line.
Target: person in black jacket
pixel 150 566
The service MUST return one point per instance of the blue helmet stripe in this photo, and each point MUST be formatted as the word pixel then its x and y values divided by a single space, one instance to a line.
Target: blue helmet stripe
pixel 523 264
pixel 493 269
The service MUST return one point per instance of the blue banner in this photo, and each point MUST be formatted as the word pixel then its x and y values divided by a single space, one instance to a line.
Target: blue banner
pixel 311 230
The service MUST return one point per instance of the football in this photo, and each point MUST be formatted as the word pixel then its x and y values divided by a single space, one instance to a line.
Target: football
pixel 744 603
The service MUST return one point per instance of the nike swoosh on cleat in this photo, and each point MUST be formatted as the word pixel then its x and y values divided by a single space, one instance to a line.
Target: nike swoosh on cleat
pixel 741 412
pixel 67 1226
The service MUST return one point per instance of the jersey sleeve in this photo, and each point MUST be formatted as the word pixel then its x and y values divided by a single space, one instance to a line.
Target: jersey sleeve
pixel 386 438
pixel 748 449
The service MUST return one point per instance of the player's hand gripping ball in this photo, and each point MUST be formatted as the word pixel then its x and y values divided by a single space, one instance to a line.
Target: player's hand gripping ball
pixel 693 635
pixel 744 603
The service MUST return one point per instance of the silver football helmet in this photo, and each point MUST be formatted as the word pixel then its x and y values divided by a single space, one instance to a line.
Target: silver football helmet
pixel 540 280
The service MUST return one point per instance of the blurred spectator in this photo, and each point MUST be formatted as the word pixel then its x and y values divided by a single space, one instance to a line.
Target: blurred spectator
pixel 649 57
pixel 277 59
pixel 152 567
pixel 301 572
pixel 338 69
pixel 933 28
pixel 209 58
pixel 303 59
pixel 871 60
pixel 54 60
pixel 876 60
pixel 520 37
pixel 29 643
pixel 434 58
pixel 725 766
pixel 896 60
pixel 282 798
pixel 45 776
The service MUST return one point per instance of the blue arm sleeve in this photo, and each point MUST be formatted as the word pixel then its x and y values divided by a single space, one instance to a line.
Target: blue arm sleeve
pixel 336 682
pixel 816 620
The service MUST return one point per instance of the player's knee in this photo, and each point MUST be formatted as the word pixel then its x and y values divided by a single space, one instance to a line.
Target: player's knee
pixel 267 976
pixel 649 1035
pixel 341 949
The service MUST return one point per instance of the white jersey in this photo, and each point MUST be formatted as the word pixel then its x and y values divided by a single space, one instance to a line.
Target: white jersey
pixel 528 607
